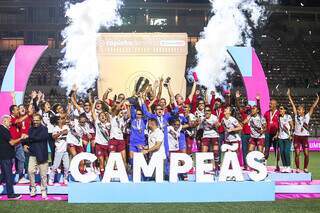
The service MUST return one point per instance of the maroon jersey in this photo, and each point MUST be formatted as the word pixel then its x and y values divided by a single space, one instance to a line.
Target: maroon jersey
pixel 272 120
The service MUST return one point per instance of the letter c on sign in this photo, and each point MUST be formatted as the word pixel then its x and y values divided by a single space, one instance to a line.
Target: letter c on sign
pixel 74 167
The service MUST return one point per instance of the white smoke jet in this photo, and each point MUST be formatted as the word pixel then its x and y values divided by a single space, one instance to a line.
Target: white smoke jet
pixel 229 26
pixel 80 65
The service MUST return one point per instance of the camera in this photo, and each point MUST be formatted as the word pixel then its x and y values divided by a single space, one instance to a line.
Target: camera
pixel 166 82
pixel 203 90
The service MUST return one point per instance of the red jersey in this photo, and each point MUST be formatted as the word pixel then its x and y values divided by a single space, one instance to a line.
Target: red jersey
pixel 272 120
pixel 14 129
pixel 194 103
pixel 246 128
pixel 218 112
pixel 24 125
pixel 181 110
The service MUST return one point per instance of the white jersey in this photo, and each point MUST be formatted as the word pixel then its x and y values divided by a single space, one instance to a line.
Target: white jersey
pixel 302 125
pixel 76 133
pixel 284 130
pixel 191 131
pixel 102 132
pixel 90 120
pixel 209 128
pixel 117 127
pixel 230 123
pixel 61 141
pixel 155 137
pixel 199 114
pixel 256 124
pixel 46 121
pixel 173 138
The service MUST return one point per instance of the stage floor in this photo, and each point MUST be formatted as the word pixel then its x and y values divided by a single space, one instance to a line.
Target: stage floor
pixel 276 186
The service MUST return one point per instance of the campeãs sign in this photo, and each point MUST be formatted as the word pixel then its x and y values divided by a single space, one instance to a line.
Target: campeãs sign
pixel 115 167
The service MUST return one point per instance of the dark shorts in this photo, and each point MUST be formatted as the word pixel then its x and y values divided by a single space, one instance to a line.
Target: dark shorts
pixel 85 137
pixel 117 145
pixel 102 150
pixel 209 141
pixel 78 149
pixel 300 141
pixel 257 141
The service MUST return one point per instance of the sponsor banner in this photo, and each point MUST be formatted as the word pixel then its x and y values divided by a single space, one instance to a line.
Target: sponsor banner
pixel 314 145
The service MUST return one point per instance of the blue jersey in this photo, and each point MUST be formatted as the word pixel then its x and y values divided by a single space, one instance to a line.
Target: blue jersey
pixel 163 123
pixel 137 129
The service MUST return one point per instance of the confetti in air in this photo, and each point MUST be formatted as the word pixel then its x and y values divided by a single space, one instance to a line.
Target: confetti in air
pixel 229 26
pixel 79 65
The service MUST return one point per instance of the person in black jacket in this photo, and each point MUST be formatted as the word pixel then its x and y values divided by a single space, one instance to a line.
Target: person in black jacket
pixel 38 151
pixel 7 153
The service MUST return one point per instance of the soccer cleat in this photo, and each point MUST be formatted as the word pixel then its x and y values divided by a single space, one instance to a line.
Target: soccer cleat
pixel 50 182
pixel 306 171
pixel 23 181
pixel 14 197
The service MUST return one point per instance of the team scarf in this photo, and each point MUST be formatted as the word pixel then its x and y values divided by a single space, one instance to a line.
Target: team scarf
pixel 284 127
pixel 75 134
pixel 105 131
pixel 256 127
pixel 301 120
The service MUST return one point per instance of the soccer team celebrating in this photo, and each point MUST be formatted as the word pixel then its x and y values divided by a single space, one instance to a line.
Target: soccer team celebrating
pixel 148 123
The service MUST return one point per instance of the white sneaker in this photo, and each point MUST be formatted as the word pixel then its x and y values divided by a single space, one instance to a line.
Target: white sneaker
pixel 50 182
pixel 289 169
pixel 44 194
pixel 24 180
pixel 65 182
pixel 33 192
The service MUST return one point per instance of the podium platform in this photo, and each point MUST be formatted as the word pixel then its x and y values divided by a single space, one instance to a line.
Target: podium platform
pixel 181 192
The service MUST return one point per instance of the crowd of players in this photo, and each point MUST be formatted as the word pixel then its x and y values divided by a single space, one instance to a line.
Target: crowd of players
pixel 148 123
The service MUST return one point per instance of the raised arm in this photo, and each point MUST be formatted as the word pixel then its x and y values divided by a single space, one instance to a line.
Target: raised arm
pixel 90 98
pixel 105 96
pixel 160 89
pixel 133 114
pixel 213 99
pixel 291 102
pixel 171 95
pixel 74 98
pixel 238 95
pixel 258 103
pixel 314 105
pixel 93 113
pixel 146 112
pixel 193 90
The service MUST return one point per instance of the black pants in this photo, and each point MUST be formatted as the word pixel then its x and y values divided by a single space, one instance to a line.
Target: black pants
pixel 6 169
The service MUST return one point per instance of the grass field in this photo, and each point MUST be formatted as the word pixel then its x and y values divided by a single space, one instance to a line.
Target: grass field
pixel 277 206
